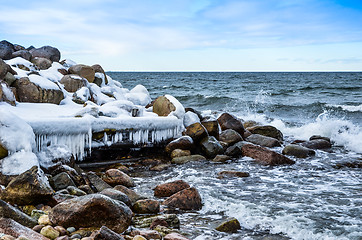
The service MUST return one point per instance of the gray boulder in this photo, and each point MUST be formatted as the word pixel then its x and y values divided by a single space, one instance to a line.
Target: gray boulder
pixel 317 144
pixel 51 53
pixel 298 151
pixel 23 54
pixel 230 136
pixel 6 50
pixel 263 140
pixel 41 63
pixel 211 147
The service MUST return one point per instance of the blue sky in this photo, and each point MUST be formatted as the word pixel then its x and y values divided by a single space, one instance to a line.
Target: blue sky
pixel 193 35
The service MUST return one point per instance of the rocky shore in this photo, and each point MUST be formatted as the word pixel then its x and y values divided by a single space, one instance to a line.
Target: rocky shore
pixel 64 198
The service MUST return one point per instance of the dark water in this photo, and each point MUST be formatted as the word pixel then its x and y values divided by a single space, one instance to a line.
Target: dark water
pixel 308 200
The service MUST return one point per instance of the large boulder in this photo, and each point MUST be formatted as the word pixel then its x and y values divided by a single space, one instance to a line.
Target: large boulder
pixel 23 54
pixel 94 210
pixel 228 121
pixel 84 71
pixel 230 136
pixel 236 149
pixel 212 127
pixel 187 199
pixel 162 106
pixel 51 53
pixel 8 211
pixel 41 63
pixel 196 131
pixel 268 131
pixel 27 188
pixel 28 91
pixel 184 143
pixel 298 151
pixel 170 188
pixel 116 177
pixel 6 50
pixel 11 227
pixel 264 155
pixel 211 147
pixel 263 140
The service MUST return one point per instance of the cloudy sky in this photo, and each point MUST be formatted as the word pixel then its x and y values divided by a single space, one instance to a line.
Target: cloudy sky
pixel 193 35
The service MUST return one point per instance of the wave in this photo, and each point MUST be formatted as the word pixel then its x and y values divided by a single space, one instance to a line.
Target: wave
pixel 348 108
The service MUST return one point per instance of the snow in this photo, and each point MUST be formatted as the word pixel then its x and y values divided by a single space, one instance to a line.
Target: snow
pixel 20 61
pixel 97 94
pixel 18 163
pixel 82 94
pixel 190 118
pixel 7 92
pixel 43 82
pixel 139 95
pixel 68 63
pixel 180 110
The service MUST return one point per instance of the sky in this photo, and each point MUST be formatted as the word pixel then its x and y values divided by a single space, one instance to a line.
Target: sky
pixel 193 35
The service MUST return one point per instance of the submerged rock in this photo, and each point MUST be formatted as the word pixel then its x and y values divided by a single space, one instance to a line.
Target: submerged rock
pixel 229 225
pixel 228 121
pixel 263 140
pixel 298 151
pixel 230 174
pixel 94 210
pixel 268 131
pixel 187 199
pixel 264 155
pixel 170 188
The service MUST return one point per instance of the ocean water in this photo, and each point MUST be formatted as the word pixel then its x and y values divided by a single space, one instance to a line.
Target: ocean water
pixel 311 199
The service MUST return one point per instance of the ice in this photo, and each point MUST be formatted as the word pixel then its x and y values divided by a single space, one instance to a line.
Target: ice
pixel 180 110
pixel 18 163
pixel 82 94
pixel 43 82
pixel 190 118
pixel 7 92
pixel 53 154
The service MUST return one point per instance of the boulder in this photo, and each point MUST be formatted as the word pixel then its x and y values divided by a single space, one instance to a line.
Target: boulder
pixel 6 50
pixel 212 127
pixel 41 63
pixel 185 159
pixel 162 106
pixel 11 227
pixel 298 151
pixel 317 144
pixel 116 177
pixel 9 78
pixel 94 210
pixel 228 121
pixel 23 54
pixel 180 153
pixel 27 188
pixel 146 206
pixel 221 158
pixel 132 195
pixel 184 143
pixel 170 188
pixel 8 211
pixel 105 233
pixel 230 136
pixel 30 92
pixel 51 53
pixel 175 236
pixel 264 155
pixel 73 83
pixel 211 147
pixel 231 174
pixel 3 69
pixel 98 69
pixel 61 181
pixel 117 195
pixel 196 131
pixel 187 199
pixel 97 182
pixel 229 225
pixel 263 140
pixel 267 130
pixel 84 71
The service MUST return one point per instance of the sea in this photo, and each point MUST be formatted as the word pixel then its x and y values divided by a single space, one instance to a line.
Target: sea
pixel 318 197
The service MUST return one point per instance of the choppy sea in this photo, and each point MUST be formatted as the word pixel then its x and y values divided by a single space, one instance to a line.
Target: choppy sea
pixel 312 199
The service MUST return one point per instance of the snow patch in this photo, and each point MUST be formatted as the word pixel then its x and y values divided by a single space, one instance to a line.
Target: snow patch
pixel 190 118
pixel 43 82
pixel 180 110
pixel 18 163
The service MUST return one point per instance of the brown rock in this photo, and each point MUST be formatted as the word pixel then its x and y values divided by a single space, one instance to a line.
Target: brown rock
pixel 229 225
pixel 221 158
pixel 230 136
pixel 3 150
pixel 184 143
pixel 10 227
pixel 212 127
pixel 162 106
pixel 94 210
pixel 146 206
pixel 42 63
pixel 98 69
pixel 196 131
pixel 105 233
pixel 180 153
pixel 8 211
pixel 187 199
pixel 170 188
pixel 73 83
pixel 3 69
pixel 231 174
pixel 263 140
pixel 228 121
pixel 186 159
pixel 175 236
pixel 84 71
pixel 23 54
pixel 160 167
pixel 268 131
pixel 116 177
pixel 132 195
pixel 264 155
pixel 158 222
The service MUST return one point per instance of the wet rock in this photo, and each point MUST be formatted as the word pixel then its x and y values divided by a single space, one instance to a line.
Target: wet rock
pixel 116 177
pixel 230 136
pixel 211 147
pixel 231 174
pixel 94 210
pixel 97 182
pixel 229 225
pixel 6 50
pixel 62 231
pixel 146 206
pixel 298 151
pixel 263 140
pixel 317 144
pixel 105 233
pixel 184 143
pixel 212 127
pixel 148 234
pixel 11 227
pixel 145 222
pixel 23 54
pixel 170 188
pixel 117 195
pixel 84 71
pixel 162 106
pixel 236 149
pixel 180 153
pixel 228 121
pixel 44 220
pixel 27 188
pixel 75 191
pixel 349 164
pixel 30 92
pixel 186 159
pixel 51 53
pixel 187 199
pixel 196 131
pixel 49 232
pixel 264 155
pixel 160 167
pixel 158 222
pixel 60 197
pixel 8 211
pixel 268 131
pixel 221 158
pixel 132 195
pixel 315 137
pixel 42 63
pixel 250 123
pixel 175 236
pixel 73 83
pixel 61 181
pixel 36 213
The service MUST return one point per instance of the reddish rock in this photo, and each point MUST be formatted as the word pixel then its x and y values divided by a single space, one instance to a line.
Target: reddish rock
pixel 170 188
pixel 184 143
pixel 175 236
pixel 187 199
pixel 146 206
pixel 196 131
pixel 228 121
pixel 230 174
pixel 116 177
pixel 264 155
